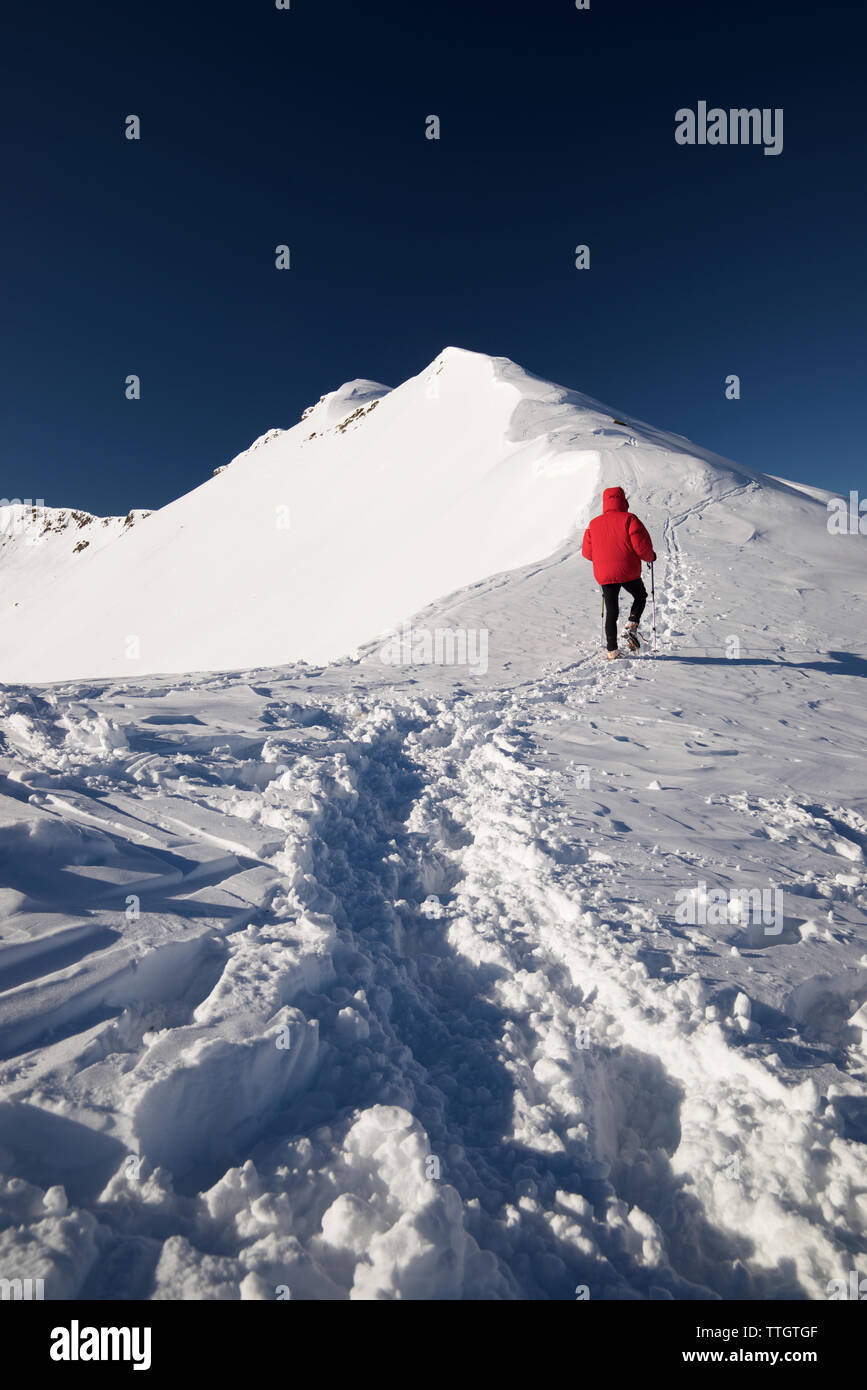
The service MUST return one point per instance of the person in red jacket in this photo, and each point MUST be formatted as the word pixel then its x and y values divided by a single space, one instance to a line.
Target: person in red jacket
pixel 617 542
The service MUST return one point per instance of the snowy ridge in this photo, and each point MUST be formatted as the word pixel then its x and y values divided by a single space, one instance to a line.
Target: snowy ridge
pixel 260 443
pixel 27 527
pixel 41 548
pixel 374 506
pixel 335 407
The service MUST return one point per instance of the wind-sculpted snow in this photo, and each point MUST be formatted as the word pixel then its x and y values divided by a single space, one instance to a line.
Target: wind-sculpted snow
pixel 332 986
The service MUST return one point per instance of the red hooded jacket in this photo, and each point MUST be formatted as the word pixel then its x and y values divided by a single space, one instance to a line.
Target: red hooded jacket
pixel 616 541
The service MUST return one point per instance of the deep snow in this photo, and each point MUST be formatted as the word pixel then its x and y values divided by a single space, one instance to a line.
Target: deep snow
pixel 369 981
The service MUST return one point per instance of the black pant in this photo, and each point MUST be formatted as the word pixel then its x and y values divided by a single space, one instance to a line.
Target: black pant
pixel 636 588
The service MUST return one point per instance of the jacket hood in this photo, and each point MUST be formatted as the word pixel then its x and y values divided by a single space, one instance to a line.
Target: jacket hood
pixel 614 500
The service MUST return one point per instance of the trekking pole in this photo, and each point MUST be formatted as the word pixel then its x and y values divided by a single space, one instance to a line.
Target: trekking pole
pixel 603 618
pixel 653 600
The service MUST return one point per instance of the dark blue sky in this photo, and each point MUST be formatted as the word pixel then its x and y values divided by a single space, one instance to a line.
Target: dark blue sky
pixel 306 126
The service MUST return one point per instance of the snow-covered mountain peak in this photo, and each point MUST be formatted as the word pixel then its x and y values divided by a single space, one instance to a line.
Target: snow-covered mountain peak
pixel 540 408
pixel 376 504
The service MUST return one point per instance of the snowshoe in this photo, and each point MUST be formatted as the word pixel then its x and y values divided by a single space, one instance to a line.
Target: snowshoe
pixel 631 637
